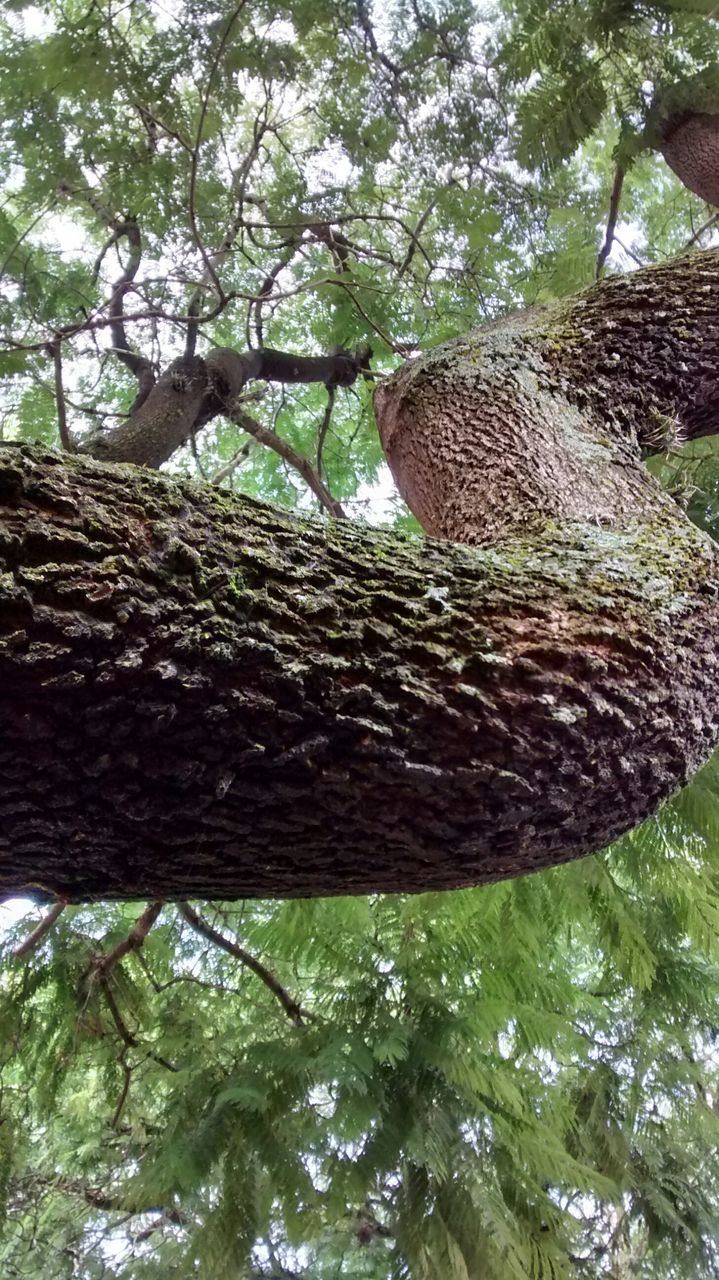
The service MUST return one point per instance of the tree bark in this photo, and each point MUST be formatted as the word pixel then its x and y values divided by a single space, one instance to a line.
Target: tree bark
pixel 192 391
pixel 690 146
pixel 205 697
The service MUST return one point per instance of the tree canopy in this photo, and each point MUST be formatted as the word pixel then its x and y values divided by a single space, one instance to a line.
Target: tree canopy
pixel 513 1081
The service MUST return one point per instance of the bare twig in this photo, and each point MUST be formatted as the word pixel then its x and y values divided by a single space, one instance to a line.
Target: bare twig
pixel 615 198
pixel 293 1010
pixel 295 459
pixel 38 933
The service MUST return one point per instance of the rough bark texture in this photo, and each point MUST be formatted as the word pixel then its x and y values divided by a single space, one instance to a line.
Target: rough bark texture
pixel 690 146
pixel 545 415
pixel 205 697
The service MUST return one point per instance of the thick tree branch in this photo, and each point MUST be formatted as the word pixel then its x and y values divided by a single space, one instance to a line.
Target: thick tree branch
pixel 293 707
pixel 191 393
pixel 294 1011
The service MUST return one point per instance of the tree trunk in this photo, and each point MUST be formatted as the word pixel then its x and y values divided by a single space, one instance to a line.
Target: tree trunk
pixel 205 697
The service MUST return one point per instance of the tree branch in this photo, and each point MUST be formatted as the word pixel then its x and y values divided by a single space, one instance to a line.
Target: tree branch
pixel 615 198
pixel 135 938
pixel 190 393
pixel 710 222
pixel 65 438
pixel 206 257
pixel 129 1040
pixel 414 242
pixel 223 473
pixel 321 434
pixel 138 365
pixel 300 464
pixel 216 258
pixel 38 933
pixel 293 1010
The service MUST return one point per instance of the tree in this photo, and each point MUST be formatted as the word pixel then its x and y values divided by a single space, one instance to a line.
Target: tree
pixel 206 696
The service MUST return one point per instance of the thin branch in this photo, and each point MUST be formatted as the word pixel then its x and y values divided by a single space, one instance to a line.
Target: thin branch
pixel 710 222
pixel 399 349
pixel 217 257
pixel 128 1039
pixel 196 455
pixel 266 289
pixel 629 252
pixel 97 1198
pixel 127 1076
pixel 321 434
pixel 414 244
pixel 65 437
pixel 31 227
pixel 98 321
pixel 295 459
pixel 121 228
pixel 207 259
pixel 38 933
pixel 139 365
pixel 223 473
pixel 135 938
pixel 371 40
pixel 147 115
pixel 615 198
pixel 294 1011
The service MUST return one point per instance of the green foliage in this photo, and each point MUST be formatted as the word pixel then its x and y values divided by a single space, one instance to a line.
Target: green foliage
pixel 574 66
pixel 509 1083
pixel 559 113
pixel 496 1082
